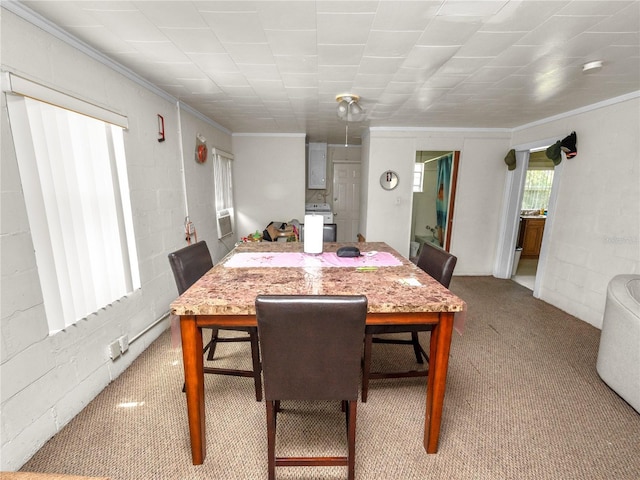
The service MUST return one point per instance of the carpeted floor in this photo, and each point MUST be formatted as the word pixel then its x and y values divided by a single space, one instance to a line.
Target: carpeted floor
pixel 523 401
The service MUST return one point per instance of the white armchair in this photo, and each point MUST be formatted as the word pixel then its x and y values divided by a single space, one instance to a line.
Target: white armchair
pixel 618 361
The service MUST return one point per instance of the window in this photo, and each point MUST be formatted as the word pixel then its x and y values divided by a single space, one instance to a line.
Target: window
pixel 73 173
pixel 537 190
pixel 223 178
pixel 418 176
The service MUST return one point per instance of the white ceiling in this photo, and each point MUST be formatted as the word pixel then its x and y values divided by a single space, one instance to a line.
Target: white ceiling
pixel 277 66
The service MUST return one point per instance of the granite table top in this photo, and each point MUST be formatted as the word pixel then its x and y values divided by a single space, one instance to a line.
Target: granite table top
pixel 403 288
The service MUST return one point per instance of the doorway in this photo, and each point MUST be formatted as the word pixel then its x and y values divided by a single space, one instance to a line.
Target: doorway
pixel 434 192
pixel 534 208
pixel 511 212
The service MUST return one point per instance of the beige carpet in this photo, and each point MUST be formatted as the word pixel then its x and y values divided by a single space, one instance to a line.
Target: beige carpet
pixel 523 401
pixel 43 476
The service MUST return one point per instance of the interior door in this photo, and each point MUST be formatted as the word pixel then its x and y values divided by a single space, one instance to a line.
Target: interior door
pixel 346 200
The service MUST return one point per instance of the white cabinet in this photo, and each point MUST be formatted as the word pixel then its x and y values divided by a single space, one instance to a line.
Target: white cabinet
pixel 317 167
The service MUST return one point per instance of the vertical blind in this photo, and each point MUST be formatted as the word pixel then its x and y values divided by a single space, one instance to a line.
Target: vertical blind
pixel 73 173
pixel 223 184
pixel 223 179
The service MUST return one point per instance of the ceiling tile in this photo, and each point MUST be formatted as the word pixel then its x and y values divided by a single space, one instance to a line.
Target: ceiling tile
pixel 194 40
pixel 390 44
pixel 268 66
pixel 338 28
pixel 292 42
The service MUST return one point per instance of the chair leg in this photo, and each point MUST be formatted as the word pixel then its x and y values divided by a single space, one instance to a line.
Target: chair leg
pixel 366 365
pixel 351 439
pixel 257 368
pixel 213 343
pixel 417 349
pixel 271 438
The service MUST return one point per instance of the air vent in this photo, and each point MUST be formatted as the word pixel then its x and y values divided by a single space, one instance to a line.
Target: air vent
pixel 224 224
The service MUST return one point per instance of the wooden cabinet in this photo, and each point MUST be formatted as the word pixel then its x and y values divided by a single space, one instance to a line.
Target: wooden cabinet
pixel 530 238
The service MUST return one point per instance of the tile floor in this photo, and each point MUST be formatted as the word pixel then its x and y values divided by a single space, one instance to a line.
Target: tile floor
pixel 526 272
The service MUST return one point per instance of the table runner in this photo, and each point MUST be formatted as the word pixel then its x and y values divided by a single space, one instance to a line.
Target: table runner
pixel 298 259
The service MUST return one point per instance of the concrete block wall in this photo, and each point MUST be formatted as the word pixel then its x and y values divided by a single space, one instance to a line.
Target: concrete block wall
pixel 47 379
pixel 596 229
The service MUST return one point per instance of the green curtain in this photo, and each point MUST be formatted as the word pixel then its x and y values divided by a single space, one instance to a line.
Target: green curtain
pixel 442 197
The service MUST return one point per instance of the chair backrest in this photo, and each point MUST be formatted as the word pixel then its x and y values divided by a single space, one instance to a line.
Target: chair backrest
pixel 329 232
pixel 189 264
pixel 437 262
pixel 311 345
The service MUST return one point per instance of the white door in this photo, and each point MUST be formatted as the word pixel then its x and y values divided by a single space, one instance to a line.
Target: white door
pixel 346 200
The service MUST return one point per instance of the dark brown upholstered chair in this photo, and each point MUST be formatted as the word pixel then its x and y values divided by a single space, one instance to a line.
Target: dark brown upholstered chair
pixel 329 232
pixel 188 265
pixel 311 350
pixel 439 264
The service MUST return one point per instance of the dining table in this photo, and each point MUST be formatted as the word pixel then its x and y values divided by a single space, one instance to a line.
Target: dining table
pixel 398 292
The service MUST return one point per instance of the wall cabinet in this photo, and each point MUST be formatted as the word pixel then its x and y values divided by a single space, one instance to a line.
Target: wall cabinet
pixel 530 238
pixel 317 166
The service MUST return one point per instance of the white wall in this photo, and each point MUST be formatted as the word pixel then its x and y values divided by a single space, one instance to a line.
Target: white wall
pixel 200 182
pixel 269 177
pixel 596 235
pixel 478 197
pixel 388 217
pixel 596 232
pixel 596 229
pixel 46 380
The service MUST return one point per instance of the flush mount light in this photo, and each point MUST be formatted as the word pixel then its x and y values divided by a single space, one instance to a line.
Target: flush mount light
pixel 591 67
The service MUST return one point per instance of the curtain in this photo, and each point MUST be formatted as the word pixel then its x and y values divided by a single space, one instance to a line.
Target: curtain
pixel 442 196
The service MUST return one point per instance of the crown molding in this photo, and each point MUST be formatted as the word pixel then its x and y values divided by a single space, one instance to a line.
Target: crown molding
pixel 39 21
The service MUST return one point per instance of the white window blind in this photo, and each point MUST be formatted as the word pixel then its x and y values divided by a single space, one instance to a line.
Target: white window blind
pixel 223 183
pixel 73 173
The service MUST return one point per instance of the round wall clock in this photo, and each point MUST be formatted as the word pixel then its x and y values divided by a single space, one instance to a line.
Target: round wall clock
pixel 389 180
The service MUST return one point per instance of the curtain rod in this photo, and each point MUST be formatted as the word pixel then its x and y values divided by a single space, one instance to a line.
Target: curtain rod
pixel 437 158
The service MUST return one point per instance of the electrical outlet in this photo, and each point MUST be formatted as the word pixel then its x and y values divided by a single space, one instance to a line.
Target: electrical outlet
pixel 114 350
pixel 124 343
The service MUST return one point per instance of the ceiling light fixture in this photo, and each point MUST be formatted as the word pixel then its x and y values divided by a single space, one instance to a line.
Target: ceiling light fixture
pixel 348 107
pixel 592 67
pixel 349 110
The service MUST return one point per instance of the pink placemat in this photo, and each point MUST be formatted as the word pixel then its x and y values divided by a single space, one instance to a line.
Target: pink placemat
pixel 298 259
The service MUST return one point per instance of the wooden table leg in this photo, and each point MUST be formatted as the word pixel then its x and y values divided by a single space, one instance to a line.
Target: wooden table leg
pixel 194 383
pixel 437 380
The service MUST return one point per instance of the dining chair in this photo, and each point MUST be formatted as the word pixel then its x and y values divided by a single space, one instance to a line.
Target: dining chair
pixel 311 350
pixel 329 232
pixel 440 265
pixel 188 265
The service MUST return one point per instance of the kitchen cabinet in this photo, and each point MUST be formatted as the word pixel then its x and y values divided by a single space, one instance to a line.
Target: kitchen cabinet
pixel 530 237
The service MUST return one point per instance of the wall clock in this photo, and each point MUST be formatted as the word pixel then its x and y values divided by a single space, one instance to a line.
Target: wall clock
pixel 389 180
